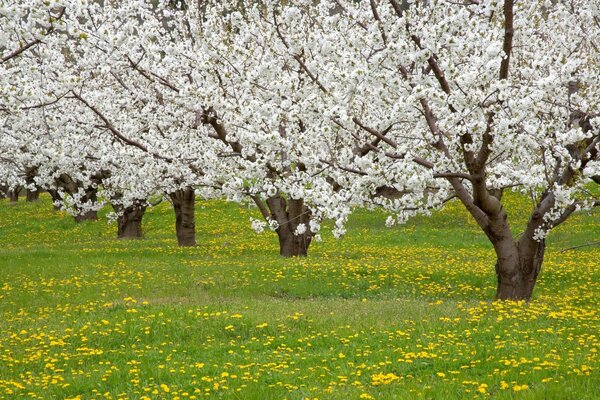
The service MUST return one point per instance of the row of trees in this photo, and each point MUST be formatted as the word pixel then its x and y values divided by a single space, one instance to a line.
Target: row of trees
pixel 307 110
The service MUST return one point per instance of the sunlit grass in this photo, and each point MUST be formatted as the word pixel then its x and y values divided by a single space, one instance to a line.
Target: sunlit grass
pixel 399 313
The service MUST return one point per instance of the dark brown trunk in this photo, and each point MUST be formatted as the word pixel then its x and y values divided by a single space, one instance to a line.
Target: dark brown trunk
pixel 13 195
pixel 129 219
pixel 32 195
pixel 56 199
pixel 130 222
pixel 517 271
pixel 291 245
pixel 184 201
pixel 289 214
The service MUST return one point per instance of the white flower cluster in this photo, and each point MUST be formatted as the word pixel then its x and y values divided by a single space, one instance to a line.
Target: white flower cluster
pixel 306 109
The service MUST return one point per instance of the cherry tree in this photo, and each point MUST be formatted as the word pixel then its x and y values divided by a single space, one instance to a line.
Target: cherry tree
pixel 307 109
pixel 176 88
pixel 23 27
pixel 467 99
pixel 180 86
pixel 60 126
pixel 267 116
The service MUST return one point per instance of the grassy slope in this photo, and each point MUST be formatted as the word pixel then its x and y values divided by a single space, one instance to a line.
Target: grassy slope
pixel 384 313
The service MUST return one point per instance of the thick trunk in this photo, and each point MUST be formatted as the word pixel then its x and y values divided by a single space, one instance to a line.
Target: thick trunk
pixel 33 195
pixel 291 245
pixel 129 219
pixel 289 215
pixel 185 223
pixel 130 222
pixel 517 271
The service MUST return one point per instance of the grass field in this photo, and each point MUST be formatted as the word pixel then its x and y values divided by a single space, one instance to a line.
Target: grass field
pixel 401 313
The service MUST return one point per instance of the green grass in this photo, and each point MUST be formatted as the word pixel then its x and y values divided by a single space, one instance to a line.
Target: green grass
pixel 401 313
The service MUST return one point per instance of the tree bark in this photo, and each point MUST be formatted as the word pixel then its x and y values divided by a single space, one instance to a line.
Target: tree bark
pixel 290 214
pixel 71 187
pixel 185 223
pixel 130 222
pixel 291 245
pixel 86 216
pixel 32 195
pixel 517 271
pixel 13 195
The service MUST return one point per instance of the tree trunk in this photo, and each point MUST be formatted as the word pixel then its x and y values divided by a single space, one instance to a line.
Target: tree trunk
pixel 13 195
pixel 91 196
pixel 130 222
pixel 72 187
pixel 291 245
pixel 86 216
pixel 185 223
pixel 290 214
pixel 56 199
pixel 32 195
pixel 517 271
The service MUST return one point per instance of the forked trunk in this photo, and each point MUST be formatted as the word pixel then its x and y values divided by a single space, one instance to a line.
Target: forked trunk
pixel 517 271
pixel 130 222
pixel 290 214
pixel 185 221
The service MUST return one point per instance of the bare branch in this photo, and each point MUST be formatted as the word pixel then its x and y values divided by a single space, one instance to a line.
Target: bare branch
pixel 374 132
pixel 347 169
pixel 149 75
pixel 261 206
pixel 298 58
pixel 580 246
pixel 397 7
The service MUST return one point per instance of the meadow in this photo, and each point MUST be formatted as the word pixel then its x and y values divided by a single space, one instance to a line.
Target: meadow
pixel 384 313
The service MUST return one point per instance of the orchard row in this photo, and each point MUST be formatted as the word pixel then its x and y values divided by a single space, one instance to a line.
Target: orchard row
pixel 307 110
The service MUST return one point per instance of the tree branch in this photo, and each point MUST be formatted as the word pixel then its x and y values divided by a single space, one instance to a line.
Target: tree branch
pixel 509 32
pixel 379 22
pixel 115 132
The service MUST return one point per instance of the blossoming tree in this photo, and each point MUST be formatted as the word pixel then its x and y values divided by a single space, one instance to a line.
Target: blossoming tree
pixel 180 85
pixel 469 99
pixel 308 108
